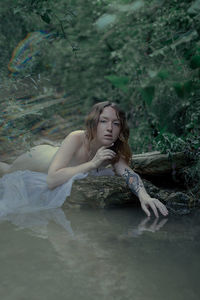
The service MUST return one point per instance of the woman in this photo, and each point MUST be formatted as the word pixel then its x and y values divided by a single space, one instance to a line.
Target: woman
pixel 103 143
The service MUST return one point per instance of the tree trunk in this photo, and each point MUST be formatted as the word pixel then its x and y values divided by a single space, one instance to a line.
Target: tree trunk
pixel 155 163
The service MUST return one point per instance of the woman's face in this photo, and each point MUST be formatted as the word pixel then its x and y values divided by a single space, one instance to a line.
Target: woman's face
pixel 108 128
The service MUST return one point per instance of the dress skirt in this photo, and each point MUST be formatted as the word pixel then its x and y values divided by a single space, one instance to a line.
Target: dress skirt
pixel 27 191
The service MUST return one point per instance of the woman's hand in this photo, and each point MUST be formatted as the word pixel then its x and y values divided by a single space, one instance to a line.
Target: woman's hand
pixel 153 203
pixel 102 155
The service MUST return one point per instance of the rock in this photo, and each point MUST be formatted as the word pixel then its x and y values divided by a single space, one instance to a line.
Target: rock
pixel 179 203
pixel 100 192
pixel 112 191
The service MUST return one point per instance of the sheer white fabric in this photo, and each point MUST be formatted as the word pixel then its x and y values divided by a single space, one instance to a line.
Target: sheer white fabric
pixel 27 191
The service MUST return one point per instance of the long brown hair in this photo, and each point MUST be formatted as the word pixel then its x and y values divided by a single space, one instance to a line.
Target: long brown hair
pixel 121 146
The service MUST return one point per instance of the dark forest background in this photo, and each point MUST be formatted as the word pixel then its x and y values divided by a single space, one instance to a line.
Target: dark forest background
pixel 144 55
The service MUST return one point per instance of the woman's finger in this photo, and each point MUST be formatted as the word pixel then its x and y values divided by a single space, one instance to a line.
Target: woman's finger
pixel 108 157
pixel 109 152
pixel 162 208
pixel 102 154
pixel 145 209
pixel 152 205
pixel 105 147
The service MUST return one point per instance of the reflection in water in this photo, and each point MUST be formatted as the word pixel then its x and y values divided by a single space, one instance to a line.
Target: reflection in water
pixel 92 254
pixel 146 226
pixel 38 221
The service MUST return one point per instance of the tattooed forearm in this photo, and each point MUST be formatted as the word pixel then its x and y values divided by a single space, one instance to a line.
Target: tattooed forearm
pixel 133 181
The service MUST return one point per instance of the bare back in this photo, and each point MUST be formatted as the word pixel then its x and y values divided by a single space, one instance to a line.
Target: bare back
pixel 41 157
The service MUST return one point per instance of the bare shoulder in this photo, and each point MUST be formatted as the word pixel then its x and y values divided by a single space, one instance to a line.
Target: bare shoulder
pixel 67 152
pixel 75 136
pixel 77 133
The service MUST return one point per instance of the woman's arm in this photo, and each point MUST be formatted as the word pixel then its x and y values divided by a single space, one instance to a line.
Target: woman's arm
pixel 135 183
pixel 58 172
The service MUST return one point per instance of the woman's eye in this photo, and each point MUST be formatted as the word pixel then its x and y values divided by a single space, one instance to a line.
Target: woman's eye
pixel 104 121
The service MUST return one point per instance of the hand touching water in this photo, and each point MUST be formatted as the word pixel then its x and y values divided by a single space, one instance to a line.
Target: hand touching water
pixel 148 203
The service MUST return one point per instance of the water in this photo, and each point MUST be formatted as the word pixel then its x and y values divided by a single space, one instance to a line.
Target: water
pixel 99 254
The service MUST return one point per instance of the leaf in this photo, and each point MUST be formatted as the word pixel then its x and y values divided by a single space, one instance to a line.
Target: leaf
pixel 183 89
pixel 148 94
pixel 195 62
pixel 152 73
pixel 163 74
pixel 179 90
pixel 119 81
pixel 46 18
pixel 188 85
pixel 16 10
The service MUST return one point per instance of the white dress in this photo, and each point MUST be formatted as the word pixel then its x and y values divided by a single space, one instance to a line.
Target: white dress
pixel 27 191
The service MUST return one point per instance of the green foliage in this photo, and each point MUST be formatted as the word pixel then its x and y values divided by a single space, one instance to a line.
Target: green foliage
pixel 163 74
pixel 140 139
pixel 148 94
pixel 148 61
pixel 195 62
pixel 120 82
pixel 169 143
pixel 183 89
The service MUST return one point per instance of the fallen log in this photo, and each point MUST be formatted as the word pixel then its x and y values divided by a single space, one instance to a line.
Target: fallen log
pixel 155 163
pixel 112 191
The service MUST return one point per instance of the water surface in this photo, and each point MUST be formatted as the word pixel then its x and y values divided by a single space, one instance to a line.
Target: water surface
pixel 99 254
